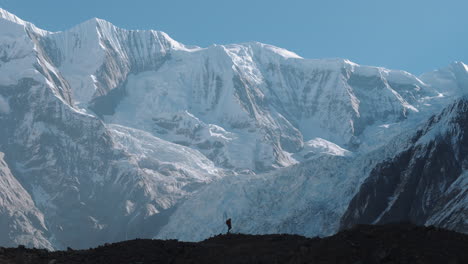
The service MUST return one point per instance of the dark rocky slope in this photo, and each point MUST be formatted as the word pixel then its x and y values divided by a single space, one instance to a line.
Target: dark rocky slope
pixel 393 243
pixel 425 184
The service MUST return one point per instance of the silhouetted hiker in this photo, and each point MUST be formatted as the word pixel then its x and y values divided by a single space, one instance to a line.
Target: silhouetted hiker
pixel 228 223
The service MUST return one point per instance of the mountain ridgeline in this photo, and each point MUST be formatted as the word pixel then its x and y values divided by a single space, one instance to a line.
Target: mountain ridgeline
pixel 109 134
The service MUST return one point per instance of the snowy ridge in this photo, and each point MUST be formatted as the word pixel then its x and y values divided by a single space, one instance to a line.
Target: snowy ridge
pixel 96 56
pixel 450 80
pixel 5 15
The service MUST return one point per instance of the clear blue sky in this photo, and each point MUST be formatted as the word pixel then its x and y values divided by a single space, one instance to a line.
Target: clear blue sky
pixel 413 35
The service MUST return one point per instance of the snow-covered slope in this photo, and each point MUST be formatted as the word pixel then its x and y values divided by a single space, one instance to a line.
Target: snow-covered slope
pixel 91 183
pixel 417 176
pixel 303 199
pixel 451 80
pixel 112 132
pixel 307 199
pixel 265 100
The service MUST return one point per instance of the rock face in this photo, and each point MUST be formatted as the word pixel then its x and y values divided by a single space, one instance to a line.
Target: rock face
pixel 20 221
pixel 426 184
pixel 111 134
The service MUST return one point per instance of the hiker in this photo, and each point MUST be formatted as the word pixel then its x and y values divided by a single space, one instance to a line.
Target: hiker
pixel 228 223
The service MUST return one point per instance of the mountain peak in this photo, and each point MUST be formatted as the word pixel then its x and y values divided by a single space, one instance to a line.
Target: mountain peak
pixel 96 21
pixel 459 66
pixel 93 23
pixel 4 14
pixel 277 50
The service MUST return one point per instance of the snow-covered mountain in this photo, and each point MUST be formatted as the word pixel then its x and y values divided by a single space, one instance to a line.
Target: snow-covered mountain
pixel 418 176
pixel 245 106
pixel 92 182
pixel 111 134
